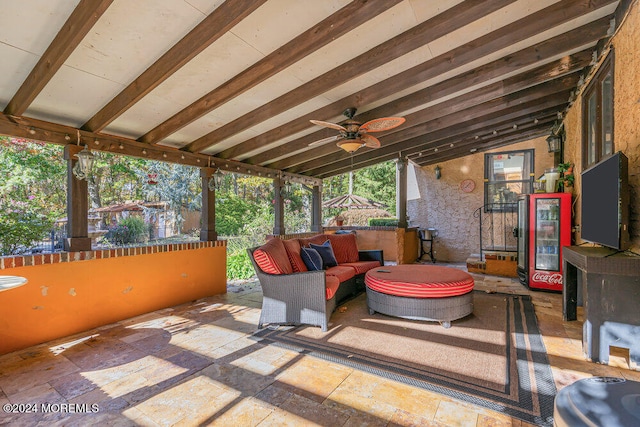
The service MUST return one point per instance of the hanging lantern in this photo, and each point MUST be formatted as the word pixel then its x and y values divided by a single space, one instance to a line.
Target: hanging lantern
pixel 82 168
pixel 152 178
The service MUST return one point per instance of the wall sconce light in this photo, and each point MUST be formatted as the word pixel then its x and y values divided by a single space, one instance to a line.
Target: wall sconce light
pixel 554 141
pixel 82 167
pixel 438 172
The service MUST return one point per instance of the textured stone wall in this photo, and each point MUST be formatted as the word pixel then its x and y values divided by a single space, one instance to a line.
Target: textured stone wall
pixel 626 134
pixel 441 204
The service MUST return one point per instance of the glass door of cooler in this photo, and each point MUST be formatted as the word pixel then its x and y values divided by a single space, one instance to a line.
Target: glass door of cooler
pixel 521 233
pixel 547 234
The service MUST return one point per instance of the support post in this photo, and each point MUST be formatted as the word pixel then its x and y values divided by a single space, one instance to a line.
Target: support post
pixel 208 218
pixel 278 190
pixel 401 191
pixel 316 209
pixel 77 206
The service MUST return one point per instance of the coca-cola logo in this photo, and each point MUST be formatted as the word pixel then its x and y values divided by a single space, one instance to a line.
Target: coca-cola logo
pixel 548 278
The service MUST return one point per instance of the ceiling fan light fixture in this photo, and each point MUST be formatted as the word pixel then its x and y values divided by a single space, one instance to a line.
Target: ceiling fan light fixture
pixel 350 145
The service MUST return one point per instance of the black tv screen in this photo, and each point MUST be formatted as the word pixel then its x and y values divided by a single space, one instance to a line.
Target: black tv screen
pixel 605 203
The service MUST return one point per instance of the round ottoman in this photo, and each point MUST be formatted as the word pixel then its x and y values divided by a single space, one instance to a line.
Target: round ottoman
pixel 420 292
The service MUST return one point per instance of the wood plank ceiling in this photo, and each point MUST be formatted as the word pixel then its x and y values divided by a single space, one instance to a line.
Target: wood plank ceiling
pixel 233 84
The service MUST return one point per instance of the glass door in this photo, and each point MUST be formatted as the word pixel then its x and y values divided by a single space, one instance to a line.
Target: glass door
pixel 547 234
pixel 521 233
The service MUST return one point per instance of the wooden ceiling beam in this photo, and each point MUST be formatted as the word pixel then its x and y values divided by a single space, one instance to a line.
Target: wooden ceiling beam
pixel 450 20
pixel 349 17
pixel 79 23
pixel 484 146
pixel 39 130
pixel 490 144
pixel 221 20
pixel 514 84
pixel 490 43
pixel 469 123
pixel 455 133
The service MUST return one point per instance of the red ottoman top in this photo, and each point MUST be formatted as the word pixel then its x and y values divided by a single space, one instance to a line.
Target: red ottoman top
pixel 419 281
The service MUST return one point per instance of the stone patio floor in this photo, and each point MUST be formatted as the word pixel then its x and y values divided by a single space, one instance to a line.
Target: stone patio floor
pixel 195 364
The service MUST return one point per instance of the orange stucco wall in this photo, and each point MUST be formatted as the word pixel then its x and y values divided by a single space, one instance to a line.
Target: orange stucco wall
pixel 66 298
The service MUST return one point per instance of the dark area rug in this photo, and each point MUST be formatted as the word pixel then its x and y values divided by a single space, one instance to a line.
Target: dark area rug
pixel 494 357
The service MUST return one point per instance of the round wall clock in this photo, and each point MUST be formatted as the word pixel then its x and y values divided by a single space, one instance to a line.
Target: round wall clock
pixel 467 185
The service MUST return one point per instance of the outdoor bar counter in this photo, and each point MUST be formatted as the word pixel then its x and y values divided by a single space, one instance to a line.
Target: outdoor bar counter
pixel 400 245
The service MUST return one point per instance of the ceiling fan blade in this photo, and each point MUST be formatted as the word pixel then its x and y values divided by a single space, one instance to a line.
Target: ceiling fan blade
pixel 370 141
pixel 328 125
pixel 381 124
pixel 324 140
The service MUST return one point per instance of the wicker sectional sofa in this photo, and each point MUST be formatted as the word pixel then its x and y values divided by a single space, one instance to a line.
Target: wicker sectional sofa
pixel 294 295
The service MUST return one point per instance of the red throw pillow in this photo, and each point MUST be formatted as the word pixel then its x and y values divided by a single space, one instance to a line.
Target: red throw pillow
pixel 272 257
pixel 344 247
pixel 293 252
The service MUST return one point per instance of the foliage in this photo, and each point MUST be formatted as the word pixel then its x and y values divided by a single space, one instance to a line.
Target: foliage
pixel 383 222
pixel 377 182
pixel 232 213
pixel 239 266
pixel 129 230
pixel 360 217
pixel 21 224
pixel 33 172
pixel 568 178
pixel 177 184
pixel 32 193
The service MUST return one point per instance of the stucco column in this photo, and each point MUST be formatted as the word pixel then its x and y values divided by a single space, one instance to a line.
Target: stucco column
pixel 77 206
pixel 278 220
pixel 316 209
pixel 208 217
pixel 401 191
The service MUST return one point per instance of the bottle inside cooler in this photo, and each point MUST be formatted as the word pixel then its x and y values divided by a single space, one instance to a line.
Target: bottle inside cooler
pixel 547 248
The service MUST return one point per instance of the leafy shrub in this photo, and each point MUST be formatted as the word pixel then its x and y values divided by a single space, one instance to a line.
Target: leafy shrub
pixel 129 230
pixel 239 266
pixel 232 213
pixel 20 225
pixel 383 222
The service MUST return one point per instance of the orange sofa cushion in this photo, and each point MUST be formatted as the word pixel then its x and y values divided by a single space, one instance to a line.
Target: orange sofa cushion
pixel 272 257
pixel 342 273
pixel 332 283
pixel 344 247
pixel 362 266
pixel 292 246
pixel 318 239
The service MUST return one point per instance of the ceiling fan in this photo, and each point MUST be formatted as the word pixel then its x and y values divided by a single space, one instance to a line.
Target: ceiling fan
pixel 354 134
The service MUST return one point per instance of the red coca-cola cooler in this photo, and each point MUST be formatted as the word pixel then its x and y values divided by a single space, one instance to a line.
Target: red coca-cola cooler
pixel 544 227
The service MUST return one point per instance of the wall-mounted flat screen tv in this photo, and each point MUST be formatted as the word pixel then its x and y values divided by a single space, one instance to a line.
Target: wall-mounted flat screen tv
pixel 605 203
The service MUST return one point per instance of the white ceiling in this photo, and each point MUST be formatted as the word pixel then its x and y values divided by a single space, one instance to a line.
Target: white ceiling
pixel 131 35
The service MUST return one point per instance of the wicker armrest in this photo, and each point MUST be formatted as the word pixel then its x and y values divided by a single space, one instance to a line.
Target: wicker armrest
pixel 309 283
pixel 296 298
pixel 371 255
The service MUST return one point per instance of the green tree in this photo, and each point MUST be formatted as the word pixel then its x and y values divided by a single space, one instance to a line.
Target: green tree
pixel 32 192
pixel 378 182
pixel 179 185
pixel 232 213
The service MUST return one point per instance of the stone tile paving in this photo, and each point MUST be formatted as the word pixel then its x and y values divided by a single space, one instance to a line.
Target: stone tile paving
pixel 197 363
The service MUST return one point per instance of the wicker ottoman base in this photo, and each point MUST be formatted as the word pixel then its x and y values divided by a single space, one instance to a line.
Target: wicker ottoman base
pixel 442 310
